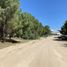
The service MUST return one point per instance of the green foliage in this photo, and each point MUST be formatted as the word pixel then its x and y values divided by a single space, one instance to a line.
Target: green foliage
pixel 7 10
pixel 45 31
pixel 29 26
pixel 15 23
pixel 64 29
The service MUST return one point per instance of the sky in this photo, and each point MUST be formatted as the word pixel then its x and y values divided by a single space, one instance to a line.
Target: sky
pixel 48 12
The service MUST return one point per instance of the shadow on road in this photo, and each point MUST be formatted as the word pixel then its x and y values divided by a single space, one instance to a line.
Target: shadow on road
pixel 10 40
pixel 57 39
pixel 64 42
pixel 65 45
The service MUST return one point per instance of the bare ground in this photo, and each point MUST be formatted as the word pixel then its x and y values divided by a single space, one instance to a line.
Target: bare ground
pixel 38 53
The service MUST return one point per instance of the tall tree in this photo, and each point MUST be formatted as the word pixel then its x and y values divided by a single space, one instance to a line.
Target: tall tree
pixel 7 10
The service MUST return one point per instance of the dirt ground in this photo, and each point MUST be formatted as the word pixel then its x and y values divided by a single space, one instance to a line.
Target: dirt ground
pixel 45 52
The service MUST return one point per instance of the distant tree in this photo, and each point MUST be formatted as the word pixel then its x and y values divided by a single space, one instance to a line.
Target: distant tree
pixel 47 30
pixel 64 28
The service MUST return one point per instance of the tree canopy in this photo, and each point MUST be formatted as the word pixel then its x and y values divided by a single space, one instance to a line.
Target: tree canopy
pixel 64 28
pixel 15 23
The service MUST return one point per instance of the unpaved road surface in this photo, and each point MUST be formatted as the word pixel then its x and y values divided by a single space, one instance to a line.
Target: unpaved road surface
pixel 45 52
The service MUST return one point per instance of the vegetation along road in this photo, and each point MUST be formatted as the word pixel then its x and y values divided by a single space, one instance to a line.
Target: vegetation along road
pixel 45 52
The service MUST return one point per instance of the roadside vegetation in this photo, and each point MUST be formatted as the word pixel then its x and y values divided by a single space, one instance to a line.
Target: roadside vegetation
pixel 64 28
pixel 15 23
pixel 63 32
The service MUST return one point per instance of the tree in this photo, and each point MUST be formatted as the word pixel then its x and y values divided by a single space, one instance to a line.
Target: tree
pixel 15 23
pixel 46 30
pixel 7 10
pixel 30 27
pixel 64 28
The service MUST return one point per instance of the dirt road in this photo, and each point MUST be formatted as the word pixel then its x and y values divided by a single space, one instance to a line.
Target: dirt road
pixel 45 52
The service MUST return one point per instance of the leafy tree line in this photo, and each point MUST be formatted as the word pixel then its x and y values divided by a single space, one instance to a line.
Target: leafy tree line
pixel 64 28
pixel 8 9
pixel 15 23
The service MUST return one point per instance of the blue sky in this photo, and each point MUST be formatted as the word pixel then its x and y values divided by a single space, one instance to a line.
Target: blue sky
pixel 48 12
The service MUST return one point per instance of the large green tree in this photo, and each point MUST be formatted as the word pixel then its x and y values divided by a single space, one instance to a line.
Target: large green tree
pixel 7 10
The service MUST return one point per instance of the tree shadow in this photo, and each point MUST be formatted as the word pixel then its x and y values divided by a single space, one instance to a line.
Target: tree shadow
pixel 65 45
pixel 57 39
pixel 64 41
pixel 10 40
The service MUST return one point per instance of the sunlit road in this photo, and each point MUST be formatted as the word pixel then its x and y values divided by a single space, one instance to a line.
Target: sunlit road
pixel 45 52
